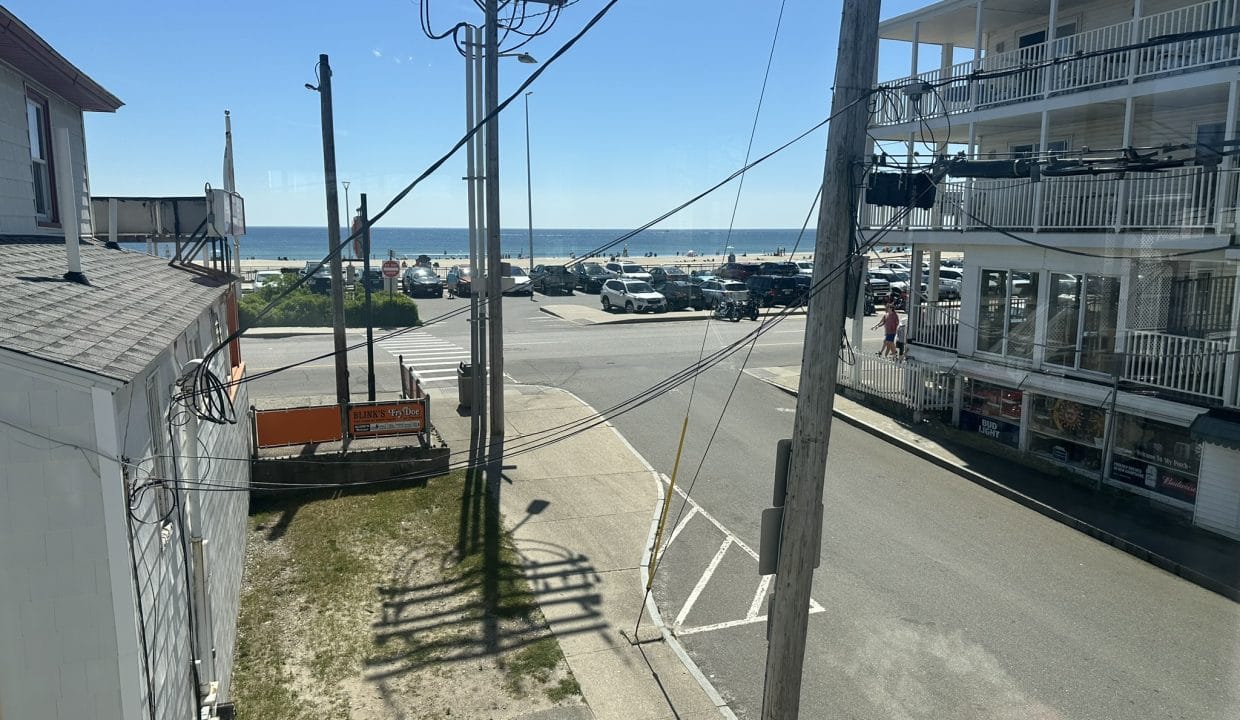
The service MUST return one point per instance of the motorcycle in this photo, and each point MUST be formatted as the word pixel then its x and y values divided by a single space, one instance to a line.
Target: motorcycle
pixel 735 310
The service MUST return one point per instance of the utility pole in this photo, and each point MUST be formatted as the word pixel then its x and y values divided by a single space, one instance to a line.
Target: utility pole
pixel 333 236
pixel 495 309
pixel 475 169
pixel 370 325
pixel 800 537
pixel 529 188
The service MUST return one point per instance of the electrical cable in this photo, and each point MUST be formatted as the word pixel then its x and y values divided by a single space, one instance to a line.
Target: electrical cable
pixel 400 196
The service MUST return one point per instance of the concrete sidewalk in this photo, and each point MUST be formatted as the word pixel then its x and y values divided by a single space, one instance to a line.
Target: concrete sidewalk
pixel 582 529
pixel 1125 521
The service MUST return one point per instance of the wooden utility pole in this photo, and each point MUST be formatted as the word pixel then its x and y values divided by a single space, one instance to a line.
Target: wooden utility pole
pixel 800 537
pixel 494 281
pixel 333 236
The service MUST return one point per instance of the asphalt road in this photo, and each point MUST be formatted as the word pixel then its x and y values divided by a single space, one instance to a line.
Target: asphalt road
pixel 937 598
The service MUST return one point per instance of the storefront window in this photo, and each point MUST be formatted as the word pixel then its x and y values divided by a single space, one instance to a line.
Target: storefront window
pixel 992 411
pixel 1068 432
pixel 1157 456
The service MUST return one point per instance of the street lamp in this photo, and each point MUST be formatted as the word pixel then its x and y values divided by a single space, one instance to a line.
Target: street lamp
pixel 529 190
pixel 521 57
pixel 348 212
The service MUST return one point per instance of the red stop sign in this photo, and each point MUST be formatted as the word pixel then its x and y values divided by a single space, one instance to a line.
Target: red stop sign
pixel 391 268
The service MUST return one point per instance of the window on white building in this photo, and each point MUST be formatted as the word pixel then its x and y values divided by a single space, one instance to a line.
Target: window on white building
pixel 1007 313
pixel 1082 320
pixel 39 132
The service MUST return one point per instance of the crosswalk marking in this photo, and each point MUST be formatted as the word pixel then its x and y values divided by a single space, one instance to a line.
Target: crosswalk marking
pixel 433 359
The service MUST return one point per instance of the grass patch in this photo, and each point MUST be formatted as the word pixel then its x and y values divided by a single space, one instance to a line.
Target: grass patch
pixel 340 587
pixel 535 661
pixel 567 688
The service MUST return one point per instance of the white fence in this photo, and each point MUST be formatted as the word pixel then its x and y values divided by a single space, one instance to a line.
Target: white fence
pixel 1173 362
pixel 914 385
pixel 938 324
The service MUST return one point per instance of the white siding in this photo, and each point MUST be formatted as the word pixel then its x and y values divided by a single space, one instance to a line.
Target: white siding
pixel 1218 491
pixel 16 180
pixel 224 520
pixel 58 649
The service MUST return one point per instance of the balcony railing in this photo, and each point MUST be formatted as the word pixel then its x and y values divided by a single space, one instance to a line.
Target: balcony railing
pixel 1192 366
pixel 937 325
pixel 1172 199
pixel 1028 77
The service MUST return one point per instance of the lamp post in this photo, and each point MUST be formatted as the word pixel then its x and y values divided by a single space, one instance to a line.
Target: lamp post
pixel 529 190
pixel 348 211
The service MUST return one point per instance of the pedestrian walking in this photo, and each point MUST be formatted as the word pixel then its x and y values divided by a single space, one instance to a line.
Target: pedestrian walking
pixel 901 331
pixel 890 324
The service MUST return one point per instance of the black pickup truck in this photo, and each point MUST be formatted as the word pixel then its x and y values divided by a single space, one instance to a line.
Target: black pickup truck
pixel 548 279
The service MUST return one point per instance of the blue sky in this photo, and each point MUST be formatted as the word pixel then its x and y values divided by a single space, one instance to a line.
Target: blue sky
pixel 652 106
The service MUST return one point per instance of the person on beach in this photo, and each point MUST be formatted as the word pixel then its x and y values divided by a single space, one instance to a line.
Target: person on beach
pixel 890 324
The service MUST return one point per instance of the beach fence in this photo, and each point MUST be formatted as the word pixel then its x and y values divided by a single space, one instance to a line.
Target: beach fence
pixel 920 387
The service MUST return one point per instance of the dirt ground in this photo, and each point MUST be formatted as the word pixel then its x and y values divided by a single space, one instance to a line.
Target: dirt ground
pixel 383 606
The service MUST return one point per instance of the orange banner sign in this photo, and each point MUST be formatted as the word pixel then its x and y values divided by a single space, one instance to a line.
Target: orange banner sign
pixel 396 417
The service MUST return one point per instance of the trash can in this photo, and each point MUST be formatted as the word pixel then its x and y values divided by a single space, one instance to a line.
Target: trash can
pixel 465 385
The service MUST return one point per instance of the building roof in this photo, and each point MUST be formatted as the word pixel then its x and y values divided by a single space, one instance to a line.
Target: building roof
pixel 1220 426
pixel 133 309
pixel 30 54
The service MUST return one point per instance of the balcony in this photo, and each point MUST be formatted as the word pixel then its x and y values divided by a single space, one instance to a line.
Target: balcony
pixel 1176 364
pixel 1181 198
pixel 1022 75
pixel 937 325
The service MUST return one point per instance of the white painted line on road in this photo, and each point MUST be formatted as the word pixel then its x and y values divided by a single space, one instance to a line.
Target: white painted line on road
pixel 762 344
pixel 758 597
pixel 437 362
pixel 701 583
pixel 537 342
pixel 679 526
pixel 727 533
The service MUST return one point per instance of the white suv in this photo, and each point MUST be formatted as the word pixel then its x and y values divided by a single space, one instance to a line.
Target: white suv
pixel 627 270
pixel 632 295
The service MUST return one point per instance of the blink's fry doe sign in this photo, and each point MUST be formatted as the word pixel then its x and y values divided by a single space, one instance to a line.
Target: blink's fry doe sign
pixel 397 417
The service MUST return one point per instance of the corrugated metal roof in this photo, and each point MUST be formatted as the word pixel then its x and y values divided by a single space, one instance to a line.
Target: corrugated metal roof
pixel 30 54
pixel 133 309
pixel 1219 426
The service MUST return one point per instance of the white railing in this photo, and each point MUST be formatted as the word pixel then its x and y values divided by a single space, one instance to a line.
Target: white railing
pixel 1173 362
pixel 938 324
pixel 1185 54
pixel 1175 198
pixel 909 383
pixel 1030 77
pixel 1079 203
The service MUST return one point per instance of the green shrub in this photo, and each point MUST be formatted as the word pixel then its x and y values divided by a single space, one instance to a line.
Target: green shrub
pixel 302 308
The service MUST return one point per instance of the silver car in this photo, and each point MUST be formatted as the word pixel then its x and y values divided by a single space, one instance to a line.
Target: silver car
pixel 715 291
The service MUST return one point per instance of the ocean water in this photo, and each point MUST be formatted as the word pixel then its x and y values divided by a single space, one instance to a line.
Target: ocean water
pixel 270 243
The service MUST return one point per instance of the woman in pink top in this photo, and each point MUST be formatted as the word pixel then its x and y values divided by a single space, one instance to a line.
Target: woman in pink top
pixel 890 323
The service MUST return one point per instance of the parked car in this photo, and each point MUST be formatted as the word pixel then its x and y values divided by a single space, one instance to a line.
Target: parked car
pixel 547 279
pixel 420 280
pixel 697 277
pixel 877 289
pixel 682 294
pixel 736 270
pixel 515 282
pixel 590 276
pixel 320 282
pixel 632 295
pixel 458 281
pixel 660 274
pixel 373 279
pixel 768 290
pixel 713 291
pixel 779 268
pixel 627 270
pixel 265 278
pixel 805 267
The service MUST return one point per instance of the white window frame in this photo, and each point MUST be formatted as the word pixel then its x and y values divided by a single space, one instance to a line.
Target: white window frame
pixel 41 123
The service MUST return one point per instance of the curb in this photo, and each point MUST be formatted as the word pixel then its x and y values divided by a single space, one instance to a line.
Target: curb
pixel 656 617
pixel 1142 553
pixel 638 320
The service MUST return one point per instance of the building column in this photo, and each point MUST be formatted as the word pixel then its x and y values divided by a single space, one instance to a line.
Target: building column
pixel 1231 371
pixel 1134 37
pixel 1036 220
pixel 977 55
pixel 966 221
pixel 1225 202
pixel 1121 188
pixel 1048 73
pixel 932 282
pixel 912 73
pixel 914 294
